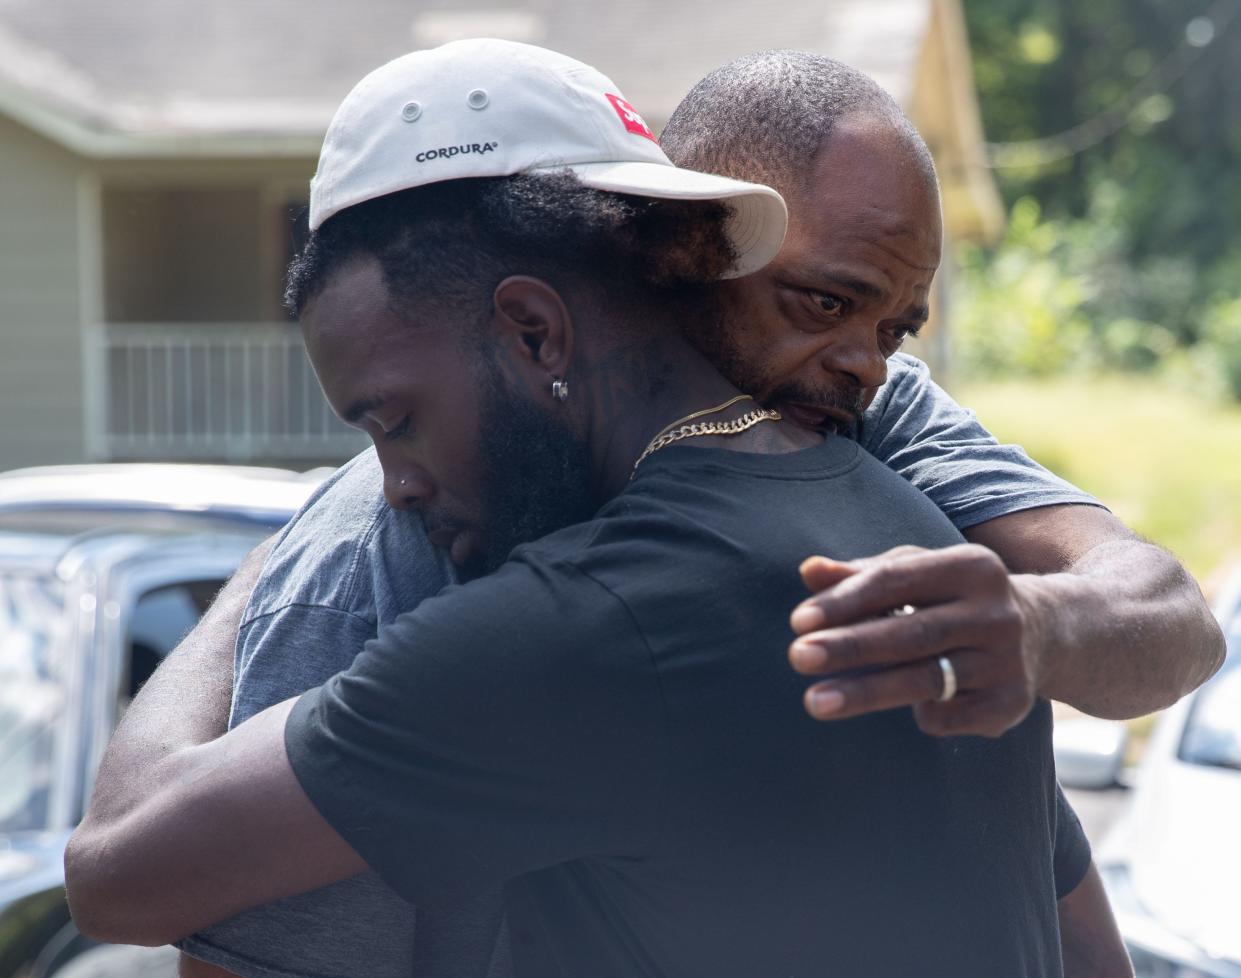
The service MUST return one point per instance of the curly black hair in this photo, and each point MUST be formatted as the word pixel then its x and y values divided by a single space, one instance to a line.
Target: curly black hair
pixel 450 243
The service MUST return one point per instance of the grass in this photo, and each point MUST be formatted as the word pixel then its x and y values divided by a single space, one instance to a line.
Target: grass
pixel 1164 461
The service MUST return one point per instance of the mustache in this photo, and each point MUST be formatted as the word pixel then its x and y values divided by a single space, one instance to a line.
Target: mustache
pixel 847 399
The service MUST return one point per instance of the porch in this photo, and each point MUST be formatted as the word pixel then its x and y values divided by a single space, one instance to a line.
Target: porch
pixel 235 392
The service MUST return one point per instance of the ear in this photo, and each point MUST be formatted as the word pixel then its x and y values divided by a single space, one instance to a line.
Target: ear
pixel 535 329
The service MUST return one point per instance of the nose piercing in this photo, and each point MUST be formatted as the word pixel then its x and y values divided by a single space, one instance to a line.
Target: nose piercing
pixel 560 390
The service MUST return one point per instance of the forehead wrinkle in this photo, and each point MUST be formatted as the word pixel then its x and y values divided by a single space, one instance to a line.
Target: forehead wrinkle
pixel 875 220
pixel 881 243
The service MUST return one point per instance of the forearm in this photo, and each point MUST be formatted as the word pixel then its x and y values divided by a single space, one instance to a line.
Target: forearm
pixel 184 704
pixel 1123 632
pixel 1090 942
pixel 206 837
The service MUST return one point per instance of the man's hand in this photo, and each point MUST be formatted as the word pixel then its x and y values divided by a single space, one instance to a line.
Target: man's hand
pixel 1062 601
pixel 965 610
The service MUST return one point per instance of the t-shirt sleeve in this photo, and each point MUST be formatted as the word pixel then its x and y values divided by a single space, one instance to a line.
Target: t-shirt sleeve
pixel 1071 856
pixel 915 428
pixel 290 650
pixel 505 726
pixel 357 926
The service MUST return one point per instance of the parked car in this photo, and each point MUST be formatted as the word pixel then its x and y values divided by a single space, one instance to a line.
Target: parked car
pixel 1172 863
pixel 102 570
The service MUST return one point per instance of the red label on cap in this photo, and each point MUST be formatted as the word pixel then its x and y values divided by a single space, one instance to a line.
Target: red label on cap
pixel 629 116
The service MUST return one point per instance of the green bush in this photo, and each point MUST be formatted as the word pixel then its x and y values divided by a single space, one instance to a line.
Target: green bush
pixel 1222 337
pixel 1066 294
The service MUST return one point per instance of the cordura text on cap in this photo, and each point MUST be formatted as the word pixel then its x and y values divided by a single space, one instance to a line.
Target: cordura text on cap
pixel 447 152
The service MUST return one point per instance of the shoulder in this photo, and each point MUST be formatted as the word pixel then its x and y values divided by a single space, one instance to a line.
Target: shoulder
pixel 708 514
pixel 917 429
pixel 347 550
pixel 909 382
pixel 905 370
pixel 542 624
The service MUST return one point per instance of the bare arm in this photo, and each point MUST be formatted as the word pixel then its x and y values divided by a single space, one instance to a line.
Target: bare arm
pixel 1090 941
pixel 185 702
pixel 1118 626
pixel 169 737
pixel 1062 601
pixel 223 827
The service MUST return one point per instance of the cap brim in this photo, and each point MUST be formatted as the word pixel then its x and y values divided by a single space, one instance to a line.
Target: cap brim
pixel 759 217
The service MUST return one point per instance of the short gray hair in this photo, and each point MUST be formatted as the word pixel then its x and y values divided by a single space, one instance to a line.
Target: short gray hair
pixel 765 116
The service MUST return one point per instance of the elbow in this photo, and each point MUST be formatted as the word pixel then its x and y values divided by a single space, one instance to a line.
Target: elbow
pixel 1216 649
pixel 1200 637
pixel 1205 645
pixel 104 908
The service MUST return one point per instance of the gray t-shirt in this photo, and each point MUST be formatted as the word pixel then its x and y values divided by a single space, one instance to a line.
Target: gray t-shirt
pixel 347 564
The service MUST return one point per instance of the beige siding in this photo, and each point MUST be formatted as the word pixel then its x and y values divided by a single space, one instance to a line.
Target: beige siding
pixel 944 107
pixel 41 386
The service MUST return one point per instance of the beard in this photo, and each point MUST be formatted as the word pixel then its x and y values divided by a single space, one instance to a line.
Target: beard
pixel 535 473
pixel 843 397
pixel 714 337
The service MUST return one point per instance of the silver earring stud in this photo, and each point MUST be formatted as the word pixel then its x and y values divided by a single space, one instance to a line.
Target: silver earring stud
pixel 560 390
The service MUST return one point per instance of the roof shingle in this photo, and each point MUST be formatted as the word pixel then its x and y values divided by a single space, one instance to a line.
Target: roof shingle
pixel 278 68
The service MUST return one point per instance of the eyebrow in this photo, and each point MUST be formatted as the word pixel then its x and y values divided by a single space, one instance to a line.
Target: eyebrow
pixel 862 287
pixel 359 408
pixel 868 290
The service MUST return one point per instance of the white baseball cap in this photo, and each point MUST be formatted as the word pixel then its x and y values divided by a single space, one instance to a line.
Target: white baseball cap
pixel 490 108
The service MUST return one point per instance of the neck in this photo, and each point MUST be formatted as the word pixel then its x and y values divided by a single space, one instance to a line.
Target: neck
pixel 636 391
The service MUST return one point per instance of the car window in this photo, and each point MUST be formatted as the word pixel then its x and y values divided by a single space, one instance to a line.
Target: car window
pixel 1213 732
pixel 160 619
pixel 33 649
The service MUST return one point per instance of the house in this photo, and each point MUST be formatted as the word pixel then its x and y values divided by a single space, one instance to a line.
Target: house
pixel 155 156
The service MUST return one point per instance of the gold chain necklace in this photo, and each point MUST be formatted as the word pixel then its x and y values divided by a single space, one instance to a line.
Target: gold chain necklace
pixel 682 428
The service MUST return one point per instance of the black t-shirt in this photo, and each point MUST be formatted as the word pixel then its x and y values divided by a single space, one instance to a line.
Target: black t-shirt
pixel 609 726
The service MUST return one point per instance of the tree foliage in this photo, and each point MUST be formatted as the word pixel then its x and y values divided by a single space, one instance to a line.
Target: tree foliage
pixel 1137 243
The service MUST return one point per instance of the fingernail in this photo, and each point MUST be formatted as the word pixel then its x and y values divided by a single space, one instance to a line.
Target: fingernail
pixel 824 702
pixel 807 656
pixel 807 618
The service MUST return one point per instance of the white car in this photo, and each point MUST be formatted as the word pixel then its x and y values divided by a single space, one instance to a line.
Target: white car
pixel 1172 864
pixel 102 569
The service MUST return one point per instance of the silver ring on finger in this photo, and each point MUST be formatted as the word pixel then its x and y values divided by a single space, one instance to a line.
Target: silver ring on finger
pixel 949 675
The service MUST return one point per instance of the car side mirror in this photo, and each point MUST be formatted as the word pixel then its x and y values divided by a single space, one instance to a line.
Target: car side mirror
pixel 1090 753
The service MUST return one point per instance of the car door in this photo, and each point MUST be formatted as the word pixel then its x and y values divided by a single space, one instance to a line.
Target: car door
pixel 134 597
pixel 148 601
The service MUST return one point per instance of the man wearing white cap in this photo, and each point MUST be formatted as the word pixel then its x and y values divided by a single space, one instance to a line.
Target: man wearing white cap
pixel 605 724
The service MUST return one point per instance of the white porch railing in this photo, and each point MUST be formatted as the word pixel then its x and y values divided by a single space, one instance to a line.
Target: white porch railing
pixel 220 391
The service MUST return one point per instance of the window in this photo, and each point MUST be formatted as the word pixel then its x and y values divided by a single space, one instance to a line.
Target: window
pixel 160 619
pixel 198 254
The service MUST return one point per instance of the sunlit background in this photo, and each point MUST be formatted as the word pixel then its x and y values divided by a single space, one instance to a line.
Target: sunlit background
pixel 154 165
pixel 155 158
pixel 1104 329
